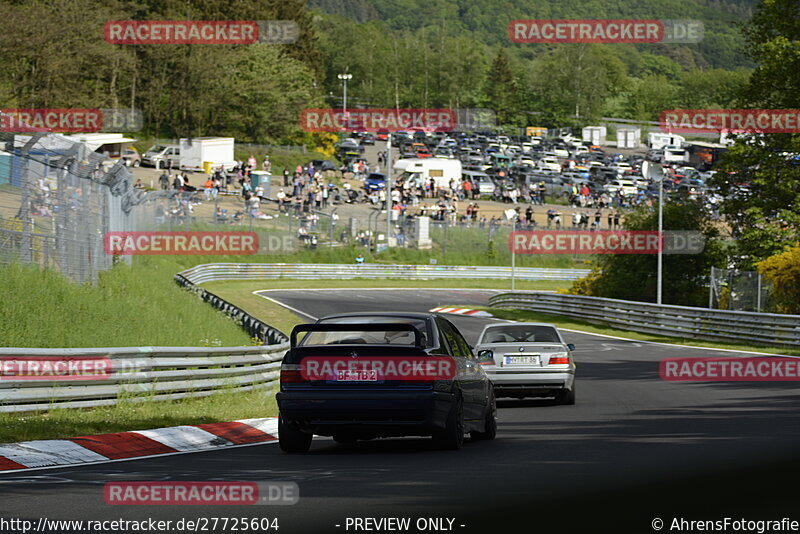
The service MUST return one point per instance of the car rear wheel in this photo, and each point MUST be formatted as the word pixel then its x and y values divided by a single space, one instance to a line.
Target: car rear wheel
pixel 489 422
pixel 566 396
pixel 452 436
pixel 292 440
pixel 136 163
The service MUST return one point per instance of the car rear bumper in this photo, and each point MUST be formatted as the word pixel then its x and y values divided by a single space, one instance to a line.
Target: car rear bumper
pixel 366 414
pixel 530 383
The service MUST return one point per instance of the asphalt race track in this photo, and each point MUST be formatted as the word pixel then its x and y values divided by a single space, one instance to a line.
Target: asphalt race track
pixel 633 448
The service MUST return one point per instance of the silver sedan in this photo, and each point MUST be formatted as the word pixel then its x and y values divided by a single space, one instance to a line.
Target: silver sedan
pixel 528 360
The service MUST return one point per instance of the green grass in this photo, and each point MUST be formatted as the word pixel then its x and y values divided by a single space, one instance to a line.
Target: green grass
pixel 575 324
pixel 127 415
pixel 130 306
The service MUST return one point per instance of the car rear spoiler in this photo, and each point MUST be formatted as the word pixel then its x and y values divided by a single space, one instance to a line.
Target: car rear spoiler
pixel 364 327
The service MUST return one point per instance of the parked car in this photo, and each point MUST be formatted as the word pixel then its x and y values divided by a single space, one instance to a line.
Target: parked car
pixel 480 180
pixel 358 398
pixel 158 156
pixel 550 162
pixel 528 360
pixel 628 187
pixel 375 182
pixel 554 184
pixel 131 158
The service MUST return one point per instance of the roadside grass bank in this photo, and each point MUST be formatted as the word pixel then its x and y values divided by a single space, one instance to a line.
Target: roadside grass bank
pixel 129 415
pixel 574 324
pixel 129 307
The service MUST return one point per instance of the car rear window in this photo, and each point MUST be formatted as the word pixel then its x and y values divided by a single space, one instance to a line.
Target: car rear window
pixel 358 337
pixel 520 334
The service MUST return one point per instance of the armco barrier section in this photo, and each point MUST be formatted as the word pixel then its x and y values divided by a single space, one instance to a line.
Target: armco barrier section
pixel 314 271
pixel 140 374
pixel 674 321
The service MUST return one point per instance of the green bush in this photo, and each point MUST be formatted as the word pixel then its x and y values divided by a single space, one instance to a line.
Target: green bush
pixel 783 272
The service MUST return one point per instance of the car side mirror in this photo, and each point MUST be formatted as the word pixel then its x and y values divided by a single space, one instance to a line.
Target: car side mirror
pixel 570 346
pixel 485 356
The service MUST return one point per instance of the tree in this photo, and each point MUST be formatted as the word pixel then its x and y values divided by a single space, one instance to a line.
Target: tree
pixel 574 80
pixel 765 214
pixel 649 96
pixel 500 87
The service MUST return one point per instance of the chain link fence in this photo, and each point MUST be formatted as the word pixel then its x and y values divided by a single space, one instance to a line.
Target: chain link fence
pixel 731 289
pixel 57 200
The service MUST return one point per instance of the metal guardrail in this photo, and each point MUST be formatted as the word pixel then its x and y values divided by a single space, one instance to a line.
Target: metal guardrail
pixel 668 320
pixel 314 271
pixel 140 374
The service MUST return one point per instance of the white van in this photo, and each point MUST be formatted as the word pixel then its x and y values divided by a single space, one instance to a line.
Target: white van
pixel 421 170
pixel 674 154
pixel 481 180
pixel 158 155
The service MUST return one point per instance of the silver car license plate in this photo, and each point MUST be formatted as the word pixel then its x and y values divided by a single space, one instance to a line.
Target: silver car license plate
pixel 528 359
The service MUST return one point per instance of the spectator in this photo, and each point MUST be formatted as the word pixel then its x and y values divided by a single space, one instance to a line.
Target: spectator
pixel 208 189
pixel 163 180
pixel 186 185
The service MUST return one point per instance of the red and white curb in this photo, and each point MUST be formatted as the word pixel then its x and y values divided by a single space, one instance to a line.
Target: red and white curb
pixel 136 444
pixel 462 311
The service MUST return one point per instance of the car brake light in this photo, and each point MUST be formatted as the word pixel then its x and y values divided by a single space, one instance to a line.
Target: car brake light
pixel 559 360
pixel 291 374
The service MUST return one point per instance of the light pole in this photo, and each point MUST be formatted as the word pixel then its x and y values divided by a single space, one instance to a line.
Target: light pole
pixel 660 237
pixel 344 78
pixel 513 254
pixel 655 173
pixel 388 187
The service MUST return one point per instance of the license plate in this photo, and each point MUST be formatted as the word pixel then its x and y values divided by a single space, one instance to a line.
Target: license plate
pixel 522 360
pixel 357 376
